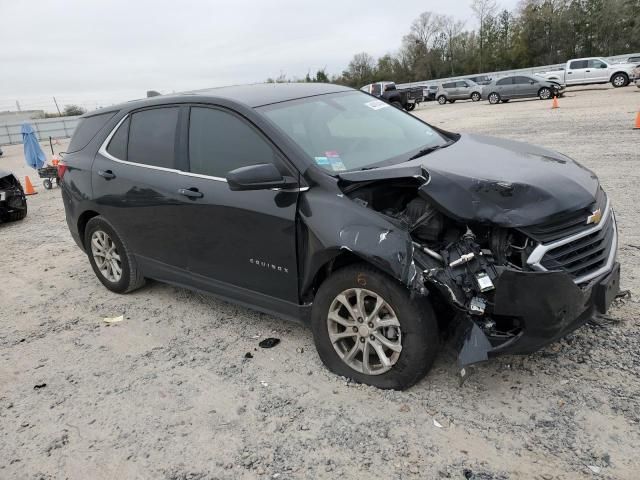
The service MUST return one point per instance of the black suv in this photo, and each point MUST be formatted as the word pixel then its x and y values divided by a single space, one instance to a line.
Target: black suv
pixel 324 204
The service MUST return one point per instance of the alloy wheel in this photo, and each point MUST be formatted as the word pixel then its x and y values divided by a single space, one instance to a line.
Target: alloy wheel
pixel 618 81
pixel 106 256
pixel 494 98
pixel 545 94
pixel 364 331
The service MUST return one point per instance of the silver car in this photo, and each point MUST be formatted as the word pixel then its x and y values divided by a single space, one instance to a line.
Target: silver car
pixel 458 90
pixel 521 86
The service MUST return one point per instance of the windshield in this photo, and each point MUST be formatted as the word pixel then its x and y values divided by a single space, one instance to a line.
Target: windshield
pixel 352 130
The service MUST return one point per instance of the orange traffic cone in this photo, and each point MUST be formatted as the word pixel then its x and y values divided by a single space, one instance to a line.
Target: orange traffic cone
pixel 555 102
pixel 28 188
pixel 637 127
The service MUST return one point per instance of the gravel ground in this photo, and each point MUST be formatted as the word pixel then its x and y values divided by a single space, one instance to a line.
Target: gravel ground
pixel 168 393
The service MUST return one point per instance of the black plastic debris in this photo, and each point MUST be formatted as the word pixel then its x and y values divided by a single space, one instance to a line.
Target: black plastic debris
pixel 269 342
pixel 248 355
pixel 39 386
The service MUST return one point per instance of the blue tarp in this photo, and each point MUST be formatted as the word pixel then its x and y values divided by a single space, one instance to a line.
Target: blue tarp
pixel 33 154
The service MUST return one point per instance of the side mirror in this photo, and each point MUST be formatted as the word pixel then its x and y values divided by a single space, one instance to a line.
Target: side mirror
pixel 602 65
pixel 258 177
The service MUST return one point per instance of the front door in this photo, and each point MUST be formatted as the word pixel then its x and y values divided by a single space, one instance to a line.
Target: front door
pixel 245 239
pixel 596 71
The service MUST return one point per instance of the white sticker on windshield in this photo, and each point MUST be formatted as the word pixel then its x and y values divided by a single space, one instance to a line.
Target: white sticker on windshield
pixel 377 104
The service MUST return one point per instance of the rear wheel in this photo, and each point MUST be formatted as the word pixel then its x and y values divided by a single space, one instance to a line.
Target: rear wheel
pixel 620 80
pixel 442 99
pixel 410 107
pixel 475 97
pixel 111 260
pixel 544 93
pixel 494 98
pixel 47 184
pixel 366 327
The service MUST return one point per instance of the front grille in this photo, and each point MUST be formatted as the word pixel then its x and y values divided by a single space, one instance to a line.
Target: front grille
pixel 566 225
pixel 585 255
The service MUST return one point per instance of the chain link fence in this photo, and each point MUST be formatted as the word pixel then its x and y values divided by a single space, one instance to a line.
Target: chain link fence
pixel 61 127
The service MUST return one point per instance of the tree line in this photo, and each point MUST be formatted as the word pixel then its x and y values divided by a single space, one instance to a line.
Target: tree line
pixel 537 32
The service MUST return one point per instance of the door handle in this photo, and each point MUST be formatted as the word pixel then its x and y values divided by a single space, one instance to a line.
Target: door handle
pixel 569 73
pixel 107 174
pixel 588 71
pixel 191 192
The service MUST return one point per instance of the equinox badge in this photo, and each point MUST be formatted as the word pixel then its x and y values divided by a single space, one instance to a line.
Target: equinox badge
pixel 595 217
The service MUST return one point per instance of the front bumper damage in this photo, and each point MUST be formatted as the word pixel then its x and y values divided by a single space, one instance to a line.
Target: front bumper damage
pixel 504 310
pixel 545 306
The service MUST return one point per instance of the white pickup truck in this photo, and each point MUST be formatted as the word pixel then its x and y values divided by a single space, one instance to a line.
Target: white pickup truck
pixel 585 71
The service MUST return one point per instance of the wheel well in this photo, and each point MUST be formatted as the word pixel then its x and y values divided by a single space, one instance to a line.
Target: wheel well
pixel 341 260
pixel 618 73
pixel 83 220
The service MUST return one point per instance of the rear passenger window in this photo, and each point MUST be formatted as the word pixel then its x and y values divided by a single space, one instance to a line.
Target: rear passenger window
pixel 505 81
pixel 578 64
pixel 118 144
pixel 448 85
pixel 87 129
pixel 152 137
pixel 220 142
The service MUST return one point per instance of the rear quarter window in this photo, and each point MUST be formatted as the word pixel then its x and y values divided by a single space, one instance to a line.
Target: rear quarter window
pixel 87 128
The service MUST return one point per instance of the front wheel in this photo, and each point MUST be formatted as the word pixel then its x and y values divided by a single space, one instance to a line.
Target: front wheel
pixel 620 80
pixel 367 327
pixel 494 98
pixel 475 97
pixel 111 260
pixel 410 107
pixel 544 93
pixel 442 99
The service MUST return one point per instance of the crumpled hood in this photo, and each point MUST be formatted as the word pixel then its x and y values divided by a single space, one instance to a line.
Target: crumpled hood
pixel 491 180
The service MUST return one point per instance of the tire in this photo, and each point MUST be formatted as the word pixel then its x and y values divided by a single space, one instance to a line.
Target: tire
pixel 398 105
pixel 16 215
pixel 545 93
pixel 494 98
pixel 442 99
pixel 47 184
pixel 620 80
pixel 410 107
pixel 476 97
pixel 417 336
pixel 130 277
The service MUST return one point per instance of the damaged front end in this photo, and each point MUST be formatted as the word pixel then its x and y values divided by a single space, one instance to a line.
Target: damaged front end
pixel 507 289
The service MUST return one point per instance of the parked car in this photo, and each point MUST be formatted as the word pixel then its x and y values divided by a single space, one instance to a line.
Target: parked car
pixel 592 70
pixel 13 203
pixel 429 93
pixel 318 203
pixel 481 79
pixel 406 98
pixel 520 86
pixel 635 60
pixel 459 90
pixel 636 74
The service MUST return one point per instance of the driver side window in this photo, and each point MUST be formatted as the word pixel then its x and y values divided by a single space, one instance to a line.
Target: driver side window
pixel 220 141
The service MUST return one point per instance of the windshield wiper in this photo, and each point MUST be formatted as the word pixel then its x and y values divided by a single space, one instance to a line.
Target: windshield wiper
pixel 428 150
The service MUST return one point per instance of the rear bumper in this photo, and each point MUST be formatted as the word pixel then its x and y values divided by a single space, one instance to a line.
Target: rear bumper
pixel 542 307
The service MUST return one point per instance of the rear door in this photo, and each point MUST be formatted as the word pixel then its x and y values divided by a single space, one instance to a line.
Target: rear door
pixel 576 72
pixel 135 177
pixel 505 87
pixel 242 238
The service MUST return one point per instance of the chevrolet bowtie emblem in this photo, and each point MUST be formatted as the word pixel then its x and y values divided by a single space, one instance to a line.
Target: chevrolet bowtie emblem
pixel 595 217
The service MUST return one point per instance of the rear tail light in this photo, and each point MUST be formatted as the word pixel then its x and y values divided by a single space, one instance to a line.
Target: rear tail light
pixel 62 169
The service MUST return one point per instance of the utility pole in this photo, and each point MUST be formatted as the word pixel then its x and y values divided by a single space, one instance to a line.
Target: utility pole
pixel 54 101
pixel 18 106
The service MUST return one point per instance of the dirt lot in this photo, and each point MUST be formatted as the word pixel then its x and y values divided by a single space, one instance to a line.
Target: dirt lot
pixel 168 392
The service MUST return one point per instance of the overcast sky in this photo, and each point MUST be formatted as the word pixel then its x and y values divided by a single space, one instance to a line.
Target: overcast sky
pixel 104 52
